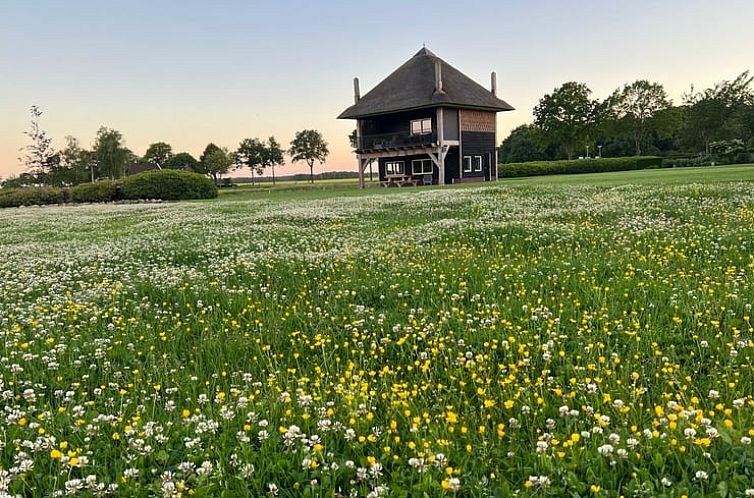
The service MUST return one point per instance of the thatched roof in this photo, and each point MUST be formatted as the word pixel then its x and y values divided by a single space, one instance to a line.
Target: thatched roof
pixel 412 86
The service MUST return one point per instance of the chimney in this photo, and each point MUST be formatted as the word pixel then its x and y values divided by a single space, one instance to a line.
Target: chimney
pixel 356 93
pixel 493 77
pixel 438 77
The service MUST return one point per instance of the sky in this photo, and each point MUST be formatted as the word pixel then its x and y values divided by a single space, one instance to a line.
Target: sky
pixel 192 72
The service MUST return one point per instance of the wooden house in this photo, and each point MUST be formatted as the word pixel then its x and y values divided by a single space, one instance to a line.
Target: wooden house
pixel 427 123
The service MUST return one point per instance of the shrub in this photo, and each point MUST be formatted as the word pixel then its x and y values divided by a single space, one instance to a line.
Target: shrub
pixel 536 168
pixel 102 191
pixel 32 196
pixel 168 185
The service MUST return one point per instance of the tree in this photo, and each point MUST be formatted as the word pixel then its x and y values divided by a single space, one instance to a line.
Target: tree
pixel 567 116
pixel 74 166
pixel 273 156
pixel 353 139
pixel 718 113
pixel 309 146
pixel 39 156
pixel 215 161
pixel 251 154
pixel 182 160
pixel 158 153
pixel 110 154
pixel 635 105
pixel 523 144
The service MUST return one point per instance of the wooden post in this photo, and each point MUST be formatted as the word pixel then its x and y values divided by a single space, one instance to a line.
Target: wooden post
pixel 361 170
pixel 440 143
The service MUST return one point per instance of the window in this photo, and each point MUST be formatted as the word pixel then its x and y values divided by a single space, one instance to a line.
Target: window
pixel 477 163
pixel 394 168
pixel 421 126
pixel 421 166
pixel 467 164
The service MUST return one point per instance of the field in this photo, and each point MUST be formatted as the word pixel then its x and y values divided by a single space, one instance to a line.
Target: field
pixel 582 337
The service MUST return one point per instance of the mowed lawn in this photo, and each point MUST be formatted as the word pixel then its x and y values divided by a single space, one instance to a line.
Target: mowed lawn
pixel 588 335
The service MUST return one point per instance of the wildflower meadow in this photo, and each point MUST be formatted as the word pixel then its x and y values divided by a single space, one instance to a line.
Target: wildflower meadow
pixel 506 340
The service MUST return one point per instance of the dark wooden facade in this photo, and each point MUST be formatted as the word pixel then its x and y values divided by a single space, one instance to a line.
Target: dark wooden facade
pixel 427 120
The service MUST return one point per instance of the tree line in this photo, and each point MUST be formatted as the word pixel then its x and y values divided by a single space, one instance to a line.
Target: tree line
pixel 109 158
pixel 638 118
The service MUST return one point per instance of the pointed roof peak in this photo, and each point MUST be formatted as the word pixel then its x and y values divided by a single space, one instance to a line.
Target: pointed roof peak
pixel 424 51
pixel 413 86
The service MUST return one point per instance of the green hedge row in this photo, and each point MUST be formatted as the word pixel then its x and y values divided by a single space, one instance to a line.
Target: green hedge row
pixel 166 185
pixel 602 165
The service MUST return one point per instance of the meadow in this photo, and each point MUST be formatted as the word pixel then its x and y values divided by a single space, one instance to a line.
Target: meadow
pixel 525 338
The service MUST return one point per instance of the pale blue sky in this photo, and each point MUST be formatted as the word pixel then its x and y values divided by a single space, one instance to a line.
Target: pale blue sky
pixel 191 72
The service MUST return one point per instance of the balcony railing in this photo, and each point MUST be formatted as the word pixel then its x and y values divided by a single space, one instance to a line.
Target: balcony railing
pixel 392 141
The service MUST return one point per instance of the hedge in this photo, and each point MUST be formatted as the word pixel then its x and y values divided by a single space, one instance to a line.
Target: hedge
pixel 102 191
pixel 537 168
pixel 168 185
pixel 32 196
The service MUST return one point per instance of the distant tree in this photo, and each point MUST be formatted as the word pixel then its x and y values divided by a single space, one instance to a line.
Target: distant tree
pixel 523 144
pixel 718 113
pixel 251 153
pixel 568 116
pixel 634 106
pixel 273 156
pixel 309 146
pixel 22 180
pixel 158 153
pixel 215 161
pixel 353 139
pixel 39 156
pixel 110 154
pixel 74 166
pixel 182 160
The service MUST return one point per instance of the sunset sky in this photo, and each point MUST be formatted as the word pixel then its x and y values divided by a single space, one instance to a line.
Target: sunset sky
pixel 193 72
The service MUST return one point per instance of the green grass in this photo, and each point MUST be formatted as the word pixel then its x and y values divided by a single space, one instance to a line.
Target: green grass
pixel 589 335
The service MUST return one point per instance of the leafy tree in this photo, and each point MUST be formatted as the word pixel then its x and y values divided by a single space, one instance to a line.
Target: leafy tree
pixel 524 144
pixel 75 165
pixel 215 161
pixel 718 113
pixel 309 146
pixel 567 116
pixel 110 154
pixel 635 105
pixel 182 160
pixel 39 156
pixel 353 139
pixel 251 154
pixel 22 180
pixel 158 153
pixel 273 156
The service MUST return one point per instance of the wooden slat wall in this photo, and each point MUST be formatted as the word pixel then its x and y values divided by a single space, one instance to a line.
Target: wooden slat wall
pixel 477 121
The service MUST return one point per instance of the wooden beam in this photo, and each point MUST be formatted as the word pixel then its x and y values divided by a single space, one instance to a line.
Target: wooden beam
pixel 361 170
pixel 440 144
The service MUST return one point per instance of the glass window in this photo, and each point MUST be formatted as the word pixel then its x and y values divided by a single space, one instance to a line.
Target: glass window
pixel 477 163
pixel 394 168
pixel 421 126
pixel 467 164
pixel 421 166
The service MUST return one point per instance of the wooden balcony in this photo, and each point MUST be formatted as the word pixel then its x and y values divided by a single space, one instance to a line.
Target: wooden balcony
pixel 385 142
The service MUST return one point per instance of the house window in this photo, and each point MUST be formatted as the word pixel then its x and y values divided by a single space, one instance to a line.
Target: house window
pixel 467 164
pixel 421 126
pixel 477 163
pixel 421 166
pixel 394 168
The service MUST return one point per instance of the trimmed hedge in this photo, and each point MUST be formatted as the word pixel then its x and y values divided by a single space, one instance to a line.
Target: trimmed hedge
pixel 168 185
pixel 32 196
pixel 602 165
pixel 102 191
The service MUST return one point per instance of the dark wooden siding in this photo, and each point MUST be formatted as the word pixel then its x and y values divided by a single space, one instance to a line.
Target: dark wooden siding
pixel 451 165
pixel 450 123
pixel 397 123
pixel 478 143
